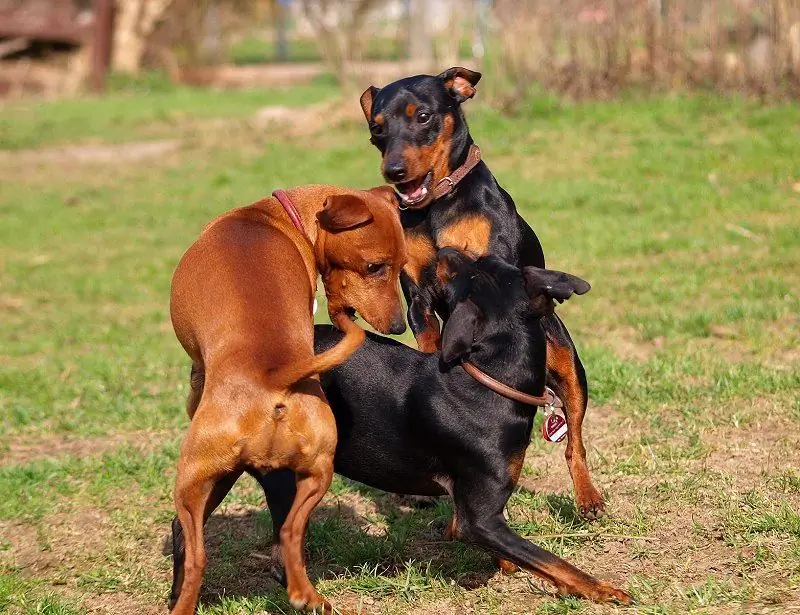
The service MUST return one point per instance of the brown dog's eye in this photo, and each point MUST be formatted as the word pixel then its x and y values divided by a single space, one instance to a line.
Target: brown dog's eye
pixel 375 268
pixel 423 117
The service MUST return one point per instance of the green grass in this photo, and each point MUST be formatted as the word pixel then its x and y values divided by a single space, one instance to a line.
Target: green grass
pixel 255 50
pixel 684 214
pixel 145 109
pixel 261 50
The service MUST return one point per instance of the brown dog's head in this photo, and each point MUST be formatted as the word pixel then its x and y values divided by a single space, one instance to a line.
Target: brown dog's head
pixel 419 128
pixel 360 252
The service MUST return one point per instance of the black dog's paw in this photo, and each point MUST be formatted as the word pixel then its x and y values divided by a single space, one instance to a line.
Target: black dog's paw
pixel 590 505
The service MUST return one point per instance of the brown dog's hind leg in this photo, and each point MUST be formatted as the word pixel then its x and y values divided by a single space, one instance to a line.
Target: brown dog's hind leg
pixel 565 374
pixel 311 487
pixel 218 494
pixel 206 472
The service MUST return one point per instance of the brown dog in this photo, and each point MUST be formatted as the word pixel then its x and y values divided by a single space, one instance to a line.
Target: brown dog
pixel 241 308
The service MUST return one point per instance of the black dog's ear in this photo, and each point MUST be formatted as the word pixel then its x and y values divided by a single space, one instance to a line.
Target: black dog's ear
pixel 459 332
pixel 448 263
pixel 366 101
pixel 342 212
pixel 544 286
pixel 460 82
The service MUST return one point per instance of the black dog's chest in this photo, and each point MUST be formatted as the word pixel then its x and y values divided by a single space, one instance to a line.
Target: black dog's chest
pixel 450 225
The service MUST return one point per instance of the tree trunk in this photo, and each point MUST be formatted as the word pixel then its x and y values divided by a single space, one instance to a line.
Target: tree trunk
pixel 136 20
pixel 420 43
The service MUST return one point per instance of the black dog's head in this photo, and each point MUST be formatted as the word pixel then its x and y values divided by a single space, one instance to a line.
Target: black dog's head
pixel 418 126
pixel 488 298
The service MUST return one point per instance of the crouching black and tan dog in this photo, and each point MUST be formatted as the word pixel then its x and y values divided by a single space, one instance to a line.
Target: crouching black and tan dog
pixel 417 423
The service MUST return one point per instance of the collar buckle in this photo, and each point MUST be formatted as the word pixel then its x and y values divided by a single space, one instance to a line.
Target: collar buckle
pixel 449 180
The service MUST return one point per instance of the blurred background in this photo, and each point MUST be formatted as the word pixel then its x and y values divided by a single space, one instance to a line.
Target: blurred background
pixel 576 47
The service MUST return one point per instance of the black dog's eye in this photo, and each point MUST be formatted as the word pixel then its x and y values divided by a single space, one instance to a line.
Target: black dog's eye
pixel 423 118
pixel 375 268
pixel 376 130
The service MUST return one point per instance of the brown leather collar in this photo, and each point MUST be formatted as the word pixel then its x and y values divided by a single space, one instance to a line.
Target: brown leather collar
pixel 548 399
pixel 445 185
pixel 291 210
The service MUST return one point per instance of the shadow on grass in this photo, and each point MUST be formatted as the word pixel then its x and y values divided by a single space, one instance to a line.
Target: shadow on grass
pixel 342 544
pixel 563 508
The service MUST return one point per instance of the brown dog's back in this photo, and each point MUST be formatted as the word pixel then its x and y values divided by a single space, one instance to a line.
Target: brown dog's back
pixel 244 277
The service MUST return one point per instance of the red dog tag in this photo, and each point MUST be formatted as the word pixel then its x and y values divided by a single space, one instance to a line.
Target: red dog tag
pixel 554 428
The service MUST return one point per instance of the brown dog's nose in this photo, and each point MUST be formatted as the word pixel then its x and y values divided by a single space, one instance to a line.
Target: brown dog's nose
pixel 398 325
pixel 395 171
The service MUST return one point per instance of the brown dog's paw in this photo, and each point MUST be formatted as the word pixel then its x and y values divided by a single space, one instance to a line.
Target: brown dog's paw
pixel 590 504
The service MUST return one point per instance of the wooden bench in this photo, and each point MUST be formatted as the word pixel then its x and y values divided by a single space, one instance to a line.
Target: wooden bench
pixel 59 21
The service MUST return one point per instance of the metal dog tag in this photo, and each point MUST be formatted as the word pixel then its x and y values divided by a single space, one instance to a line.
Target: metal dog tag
pixel 554 428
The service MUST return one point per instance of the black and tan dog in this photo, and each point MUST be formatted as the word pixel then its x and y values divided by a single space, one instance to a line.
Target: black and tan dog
pixel 418 423
pixel 449 198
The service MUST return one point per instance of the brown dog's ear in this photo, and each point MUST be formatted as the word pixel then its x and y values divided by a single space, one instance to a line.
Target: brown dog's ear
pixel 459 331
pixel 545 286
pixel 460 82
pixel 342 212
pixel 366 101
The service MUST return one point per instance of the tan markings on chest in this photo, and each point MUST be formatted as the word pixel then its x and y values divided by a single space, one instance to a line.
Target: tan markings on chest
pixel 470 234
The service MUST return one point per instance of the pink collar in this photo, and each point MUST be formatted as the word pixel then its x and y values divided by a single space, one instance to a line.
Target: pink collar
pixel 290 209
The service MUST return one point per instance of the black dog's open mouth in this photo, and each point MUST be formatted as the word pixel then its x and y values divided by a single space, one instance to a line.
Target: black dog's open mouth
pixel 415 191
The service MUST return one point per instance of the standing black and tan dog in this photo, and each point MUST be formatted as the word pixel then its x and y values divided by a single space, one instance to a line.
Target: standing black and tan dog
pixel 449 198
pixel 420 423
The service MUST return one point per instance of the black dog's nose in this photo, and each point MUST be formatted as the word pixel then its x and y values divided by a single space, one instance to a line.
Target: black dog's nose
pixel 395 171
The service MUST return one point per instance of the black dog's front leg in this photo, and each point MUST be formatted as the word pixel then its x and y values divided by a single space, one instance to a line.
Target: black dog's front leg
pixel 421 316
pixel 178 559
pixel 479 520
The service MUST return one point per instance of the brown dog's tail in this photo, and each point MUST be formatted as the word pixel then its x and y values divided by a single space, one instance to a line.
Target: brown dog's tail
pixel 325 361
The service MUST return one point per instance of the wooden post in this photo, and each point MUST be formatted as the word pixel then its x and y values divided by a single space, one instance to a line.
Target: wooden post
pixel 101 42
pixel 281 25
